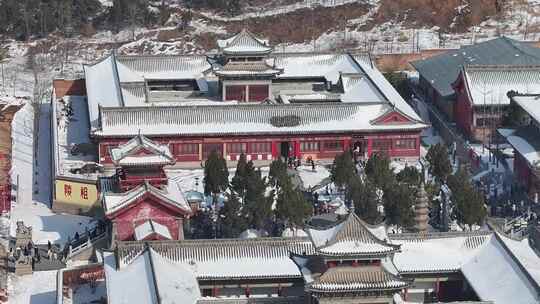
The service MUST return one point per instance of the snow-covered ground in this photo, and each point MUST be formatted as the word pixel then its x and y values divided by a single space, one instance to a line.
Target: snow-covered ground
pixel 312 178
pixel 34 189
pixel 33 204
pixel 39 288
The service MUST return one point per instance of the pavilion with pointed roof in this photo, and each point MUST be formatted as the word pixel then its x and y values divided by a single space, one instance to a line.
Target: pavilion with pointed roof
pixel 352 259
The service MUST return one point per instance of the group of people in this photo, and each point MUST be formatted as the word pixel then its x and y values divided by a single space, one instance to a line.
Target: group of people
pixel 32 253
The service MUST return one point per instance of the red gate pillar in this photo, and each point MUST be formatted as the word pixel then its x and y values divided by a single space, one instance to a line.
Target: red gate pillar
pixel 274 150
pixel 297 149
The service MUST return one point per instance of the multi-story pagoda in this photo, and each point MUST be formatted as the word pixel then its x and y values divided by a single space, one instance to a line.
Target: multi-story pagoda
pixel 352 261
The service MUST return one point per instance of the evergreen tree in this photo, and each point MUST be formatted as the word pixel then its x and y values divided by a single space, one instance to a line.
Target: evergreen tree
pixel 291 206
pixel 244 169
pixel 409 175
pixel 278 173
pixel 469 203
pixel 364 197
pixel 216 175
pixel 439 163
pixel 398 205
pixel 232 221
pixel 378 170
pixel 257 208
pixel 342 169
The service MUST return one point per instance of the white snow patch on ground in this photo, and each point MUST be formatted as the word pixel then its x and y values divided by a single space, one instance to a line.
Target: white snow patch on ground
pixel 38 288
pixel 312 178
pixel 34 208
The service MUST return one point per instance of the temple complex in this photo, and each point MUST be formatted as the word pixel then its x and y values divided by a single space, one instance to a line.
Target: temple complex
pixel 349 262
pixel 246 98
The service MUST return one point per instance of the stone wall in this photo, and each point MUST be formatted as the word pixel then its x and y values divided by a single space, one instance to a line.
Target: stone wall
pixel 6 117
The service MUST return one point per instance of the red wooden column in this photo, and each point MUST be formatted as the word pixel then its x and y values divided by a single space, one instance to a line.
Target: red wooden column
pixel 297 149
pixel 418 146
pixel 369 146
pixel 274 150
pixel 346 144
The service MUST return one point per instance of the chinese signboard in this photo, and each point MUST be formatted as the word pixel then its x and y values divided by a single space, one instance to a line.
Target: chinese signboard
pixel 77 194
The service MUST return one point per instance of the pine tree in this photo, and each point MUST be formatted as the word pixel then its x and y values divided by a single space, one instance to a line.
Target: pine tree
pixel 291 206
pixel 257 208
pixel 243 170
pixel 398 205
pixel 409 175
pixel 342 169
pixel 278 173
pixel 364 197
pixel 439 163
pixel 469 202
pixel 232 221
pixel 216 175
pixel 378 170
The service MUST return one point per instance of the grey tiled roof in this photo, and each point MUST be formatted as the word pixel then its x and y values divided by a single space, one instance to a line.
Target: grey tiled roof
pixel 442 70
pixel 350 279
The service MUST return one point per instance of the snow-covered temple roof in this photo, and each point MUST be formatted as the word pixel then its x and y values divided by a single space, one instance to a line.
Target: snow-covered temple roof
pixel 495 275
pixel 494 272
pixel 171 196
pixel 151 228
pixel 350 279
pixel 246 68
pixel 143 81
pixel 150 279
pixel 247 119
pixel 141 151
pixel 526 141
pixel 530 104
pixel 489 85
pixel 349 238
pixel 244 43
pixel 227 258
pixel 436 253
pixel 498 269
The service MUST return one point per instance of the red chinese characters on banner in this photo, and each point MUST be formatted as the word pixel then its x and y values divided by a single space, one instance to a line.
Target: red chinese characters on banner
pixel 84 193
pixel 67 190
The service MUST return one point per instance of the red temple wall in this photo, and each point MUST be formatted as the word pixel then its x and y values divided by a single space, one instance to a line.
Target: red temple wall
pixel 147 208
pixel 463 110
pixel 408 148
pixel 522 171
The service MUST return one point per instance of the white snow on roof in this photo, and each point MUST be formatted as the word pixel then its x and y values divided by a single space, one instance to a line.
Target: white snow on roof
pixel 127 154
pixel 238 267
pixel 102 87
pixel 244 43
pixel 140 68
pixel 293 232
pixel 495 276
pixel 530 153
pixel 526 256
pixel 490 85
pixel 70 127
pixel 171 194
pixel 531 104
pixel 444 254
pixel 328 66
pixel 358 88
pixel 246 119
pixel 148 278
pixel 321 237
pixel 150 227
